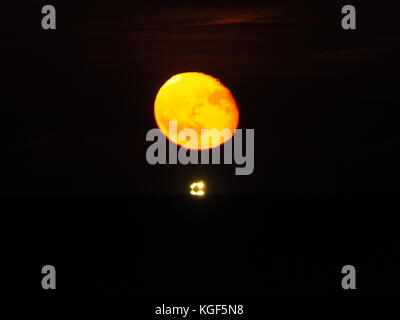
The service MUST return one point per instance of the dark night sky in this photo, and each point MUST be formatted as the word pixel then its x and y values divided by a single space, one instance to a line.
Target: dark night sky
pixel 77 102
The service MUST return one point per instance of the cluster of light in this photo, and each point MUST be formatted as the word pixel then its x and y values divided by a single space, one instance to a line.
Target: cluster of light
pixel 196 189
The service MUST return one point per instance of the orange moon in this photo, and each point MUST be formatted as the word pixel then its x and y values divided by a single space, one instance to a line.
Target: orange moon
pixel 196 101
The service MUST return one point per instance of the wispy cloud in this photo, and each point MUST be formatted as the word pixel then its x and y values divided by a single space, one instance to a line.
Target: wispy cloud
pixel 358 54
pixel 212 17
pixel 236 18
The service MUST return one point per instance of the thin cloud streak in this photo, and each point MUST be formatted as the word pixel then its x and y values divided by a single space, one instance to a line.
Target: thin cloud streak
pixel 223 16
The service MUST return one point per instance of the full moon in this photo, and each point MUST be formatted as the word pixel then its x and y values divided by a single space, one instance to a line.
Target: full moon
pixel 196 101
